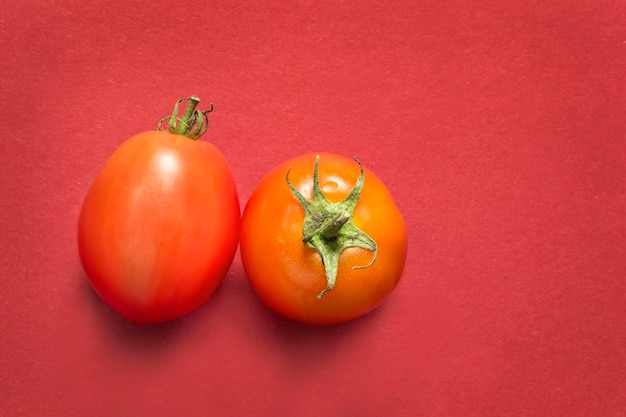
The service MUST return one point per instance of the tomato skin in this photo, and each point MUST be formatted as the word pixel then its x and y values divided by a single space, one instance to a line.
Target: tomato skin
pixel 287 276
pixel 159 226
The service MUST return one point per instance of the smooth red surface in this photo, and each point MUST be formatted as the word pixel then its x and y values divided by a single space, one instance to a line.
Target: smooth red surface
pixel 288 276
pixel 159 227
pixel 498 126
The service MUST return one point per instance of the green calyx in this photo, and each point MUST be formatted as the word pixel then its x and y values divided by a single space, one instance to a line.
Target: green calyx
pixel 328 227
pixel 192 124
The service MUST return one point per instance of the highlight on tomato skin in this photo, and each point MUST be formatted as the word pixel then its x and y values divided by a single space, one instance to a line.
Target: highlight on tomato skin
pixel 159 226
pixel 322 240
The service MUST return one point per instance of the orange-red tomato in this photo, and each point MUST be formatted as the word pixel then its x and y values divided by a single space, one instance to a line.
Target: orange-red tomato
pixel 159 226
pixel 287 275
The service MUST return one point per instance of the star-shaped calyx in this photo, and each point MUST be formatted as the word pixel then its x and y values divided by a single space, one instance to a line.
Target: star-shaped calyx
pixel 328 227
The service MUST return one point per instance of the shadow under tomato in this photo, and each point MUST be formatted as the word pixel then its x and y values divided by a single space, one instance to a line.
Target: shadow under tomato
pixel 295 332
pixel 302 344
pixel 143 338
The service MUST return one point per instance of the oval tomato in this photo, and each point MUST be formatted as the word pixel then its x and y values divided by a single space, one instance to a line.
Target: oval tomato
pixel 159 226
pixel 322 244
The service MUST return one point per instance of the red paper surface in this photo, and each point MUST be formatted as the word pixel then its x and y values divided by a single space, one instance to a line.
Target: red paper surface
pixel 499 127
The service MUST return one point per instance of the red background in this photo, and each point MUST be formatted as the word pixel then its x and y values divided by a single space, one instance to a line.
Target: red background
pixel 498 126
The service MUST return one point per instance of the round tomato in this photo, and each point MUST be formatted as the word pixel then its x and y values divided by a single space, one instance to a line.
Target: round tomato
pixel 159 226
pixel 322 241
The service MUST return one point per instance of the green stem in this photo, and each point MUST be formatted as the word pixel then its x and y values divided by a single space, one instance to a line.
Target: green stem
pixel 328 227
pixel 193 123
pixel 189 117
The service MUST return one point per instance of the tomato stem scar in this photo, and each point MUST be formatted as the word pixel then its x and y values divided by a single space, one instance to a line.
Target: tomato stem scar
pixel 193 123
pixel 328 227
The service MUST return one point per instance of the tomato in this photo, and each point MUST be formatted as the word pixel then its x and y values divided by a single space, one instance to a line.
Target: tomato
pixel 322 241
pixel 159 226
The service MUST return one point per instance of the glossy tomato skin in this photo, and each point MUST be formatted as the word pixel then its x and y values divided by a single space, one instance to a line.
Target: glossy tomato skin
pixel 159 226
pixel 287 276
